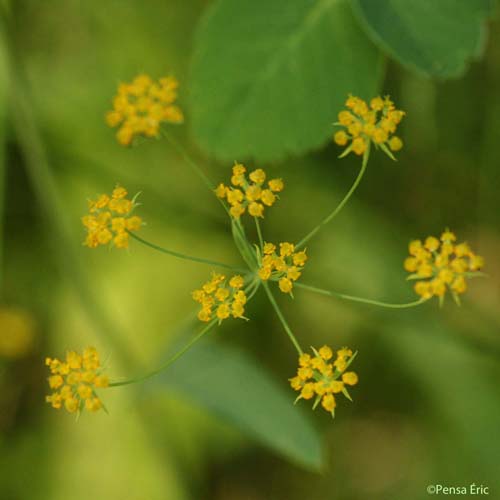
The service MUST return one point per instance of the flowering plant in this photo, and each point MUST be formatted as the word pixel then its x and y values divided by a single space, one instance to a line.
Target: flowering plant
pixel 139 109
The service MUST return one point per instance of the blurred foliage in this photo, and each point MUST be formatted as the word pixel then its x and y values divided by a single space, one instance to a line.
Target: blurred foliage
pixel 434 38
pixel 426 407
pixel 235 388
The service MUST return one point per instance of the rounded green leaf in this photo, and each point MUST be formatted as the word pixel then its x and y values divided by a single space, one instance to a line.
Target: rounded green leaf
pixel 434 38
pixel 269 77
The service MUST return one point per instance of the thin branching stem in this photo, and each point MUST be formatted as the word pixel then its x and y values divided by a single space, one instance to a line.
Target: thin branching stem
pixel 340 206
pixel 196 169
pixel 259 234
pixel 282 318
pixel 251 289
pixel 170 360
pixel 192 164
pixel 343 296
pixel 186 257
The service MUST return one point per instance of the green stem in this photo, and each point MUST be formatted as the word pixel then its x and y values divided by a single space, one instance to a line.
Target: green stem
pixel 243 245
pixel 281 317
pixel 185 156
pixel 253 288
pixel 198 171
pixel 259 233
pixel 331 293
pixel 196 168
pixel 339 207
pixel 170 360
pixel 186 257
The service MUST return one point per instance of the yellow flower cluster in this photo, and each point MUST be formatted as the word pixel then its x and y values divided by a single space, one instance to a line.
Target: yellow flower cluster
pixel 364 124
pixel 221 298
pixel 75 381
pixel 140 107
pixel 441 265
pixel 249 194
pixel 110 219
pixel 321 377
pixel 285 267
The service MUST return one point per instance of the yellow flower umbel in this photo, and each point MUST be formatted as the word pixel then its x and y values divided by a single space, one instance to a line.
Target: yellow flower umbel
pixel 140 107
pixel 440 265
pixel 221 299
pixel 75 381
pixel 110 220
pixel 321 377
pixel 363 124
pixel 285 267
pixel 249 194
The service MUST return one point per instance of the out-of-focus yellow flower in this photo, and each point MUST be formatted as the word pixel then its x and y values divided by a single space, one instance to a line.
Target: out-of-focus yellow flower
pixel 249 194
pixel 284 265
pixel 17 332
pixel 110 220
pixel 75 381
pixel 440 265
pixel 141 106
pixel 221 299
pixel 364 124
pixel 321 376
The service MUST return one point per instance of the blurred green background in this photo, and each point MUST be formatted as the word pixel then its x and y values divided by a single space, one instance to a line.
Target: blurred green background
pixel 427 408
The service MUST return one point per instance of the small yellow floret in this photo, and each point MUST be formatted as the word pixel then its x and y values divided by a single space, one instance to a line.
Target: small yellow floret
pixel 395 143
pixel 359 145
pixel 269 248
pixel 239 169
pixel 276 185
pixel 328 402
pixel 236 281
pixel 268 197
pixel 341 138
pixel 286 249
pixel 448 236
pixel 285 285
pixel 307 391
pixel 304 359
pixel 256 209
pixel 350 378
pixel 345 118
pixel 325 352
pixel 377 103
pixel 258 176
